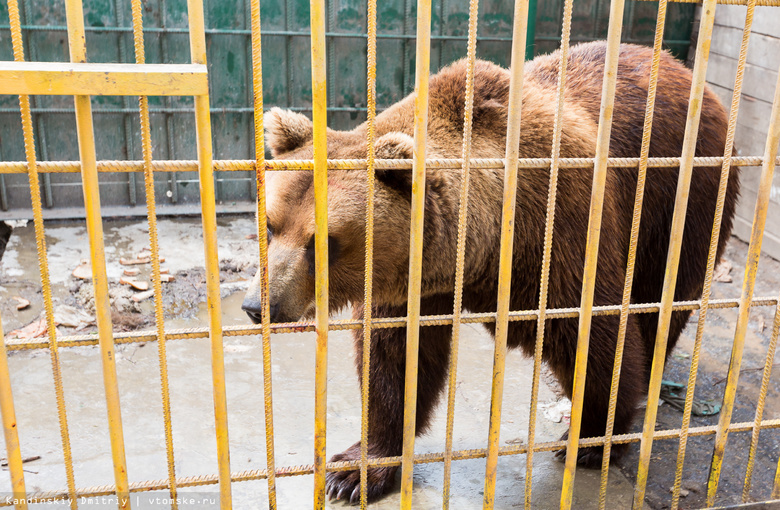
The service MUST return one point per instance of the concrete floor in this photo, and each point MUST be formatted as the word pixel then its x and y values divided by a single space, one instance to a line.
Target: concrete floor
pixel 293 389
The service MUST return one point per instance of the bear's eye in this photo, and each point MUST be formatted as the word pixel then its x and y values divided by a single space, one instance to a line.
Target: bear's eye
pixel 269 233
pixel 333 252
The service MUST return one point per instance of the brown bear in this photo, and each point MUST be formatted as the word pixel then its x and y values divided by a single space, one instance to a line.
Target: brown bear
pixel 291 226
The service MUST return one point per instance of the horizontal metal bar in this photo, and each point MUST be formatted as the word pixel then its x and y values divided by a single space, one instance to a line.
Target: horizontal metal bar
pixel 667 42
pixel 420 458
pixel 378 323
pixel 92 79
pixel 189 111
pixel 20 167
pixel 248 32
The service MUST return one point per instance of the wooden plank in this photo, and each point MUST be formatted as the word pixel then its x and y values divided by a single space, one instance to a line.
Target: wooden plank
pixel 65 78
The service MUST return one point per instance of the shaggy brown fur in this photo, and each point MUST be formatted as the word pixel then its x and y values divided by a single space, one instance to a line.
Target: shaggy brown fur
pixel 290 213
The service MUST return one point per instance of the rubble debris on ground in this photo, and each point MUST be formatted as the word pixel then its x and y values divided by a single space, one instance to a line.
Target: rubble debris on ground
pixel 722 271
pixel 83 271
pixel 22 303
pixel 557 411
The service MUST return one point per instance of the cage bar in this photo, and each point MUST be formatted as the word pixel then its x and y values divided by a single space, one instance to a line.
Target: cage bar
pixel 748 286
pixel 89 177
pixel 208 207
pixel 460 255
pixel 320 109
pixel 262 239
pixel 369 257
pixel 422 70
pixel 592 244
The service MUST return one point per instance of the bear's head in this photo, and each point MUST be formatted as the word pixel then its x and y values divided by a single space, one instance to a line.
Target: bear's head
pixel 290 212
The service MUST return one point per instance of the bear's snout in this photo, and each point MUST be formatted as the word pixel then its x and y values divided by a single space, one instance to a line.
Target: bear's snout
pixel 254 309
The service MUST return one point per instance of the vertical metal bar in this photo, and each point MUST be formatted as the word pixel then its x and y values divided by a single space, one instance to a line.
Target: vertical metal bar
pixel 126 120
pixel 635 221
pixel 37 118
pixel 530 40
pixel 330 52
pixel 711 257
pixel 768 364
pixel 673 257
pixel 748 285
pixel 320 112
pixel 776 485
pixel 423 63
pixel 468 110
pixel 13 451
pixel 3 194
pixel 89 177
pixel 173 186
pixel 288 16
pixel 262 237
pixel 43 264
pixel 592 244
pixel 515 107
pixel 407 60
pixel 208 208
pixel 369 272
pixel 146 147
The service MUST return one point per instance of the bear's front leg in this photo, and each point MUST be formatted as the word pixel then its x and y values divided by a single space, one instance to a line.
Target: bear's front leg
pixel 386 394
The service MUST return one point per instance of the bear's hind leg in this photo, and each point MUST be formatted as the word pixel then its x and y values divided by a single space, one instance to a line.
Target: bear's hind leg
pixel 386 394
pixel 601 357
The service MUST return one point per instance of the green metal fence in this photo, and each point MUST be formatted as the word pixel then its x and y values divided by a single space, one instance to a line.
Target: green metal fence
pixel 286 80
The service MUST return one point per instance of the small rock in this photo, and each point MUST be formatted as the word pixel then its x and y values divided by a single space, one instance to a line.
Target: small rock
pixel 134 262
pixel 131 272
pixel 134 283
pixel 140 296
pixel 22 303
pixel 83 271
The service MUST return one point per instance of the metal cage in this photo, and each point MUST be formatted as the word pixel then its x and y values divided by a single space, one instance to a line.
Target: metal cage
pixel 83 80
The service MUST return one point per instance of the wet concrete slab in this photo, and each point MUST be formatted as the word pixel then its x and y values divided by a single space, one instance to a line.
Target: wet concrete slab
pixel 189 372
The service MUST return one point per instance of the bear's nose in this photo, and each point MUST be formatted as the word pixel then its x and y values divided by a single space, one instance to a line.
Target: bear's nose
pixel 254 310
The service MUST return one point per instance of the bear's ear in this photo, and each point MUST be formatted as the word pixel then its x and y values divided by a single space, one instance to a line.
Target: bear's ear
pixel 286 130
pixel 395 145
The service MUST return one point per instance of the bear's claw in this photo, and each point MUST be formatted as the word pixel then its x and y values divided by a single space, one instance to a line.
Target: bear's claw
pixel 343 484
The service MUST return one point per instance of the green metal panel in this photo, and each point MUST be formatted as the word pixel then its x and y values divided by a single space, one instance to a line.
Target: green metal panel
pixel 286 77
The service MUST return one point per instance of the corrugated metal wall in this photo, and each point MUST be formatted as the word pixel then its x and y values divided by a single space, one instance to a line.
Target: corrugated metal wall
pixel 286 80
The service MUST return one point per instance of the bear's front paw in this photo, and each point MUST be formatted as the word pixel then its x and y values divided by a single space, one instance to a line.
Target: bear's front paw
pixel 346 484
pixel 590 457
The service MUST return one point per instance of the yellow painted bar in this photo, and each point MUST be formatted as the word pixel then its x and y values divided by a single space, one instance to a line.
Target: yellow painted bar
pixel 507 237
pixel 711 257
pixel 262 239
pixel 673 257
pixel 776 486
pixel 422 70
pixel 768 364
pixel 208 210
pixel 369 268
pixel 319 118
pixel 460 255
pixel 89 178
pixel 13 451
pixel 592 244
pixel 43 264
pixel 635 221
pixel 67 79
pixel 146 148
pixel 748 285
